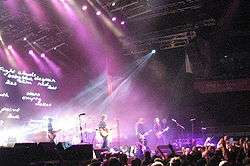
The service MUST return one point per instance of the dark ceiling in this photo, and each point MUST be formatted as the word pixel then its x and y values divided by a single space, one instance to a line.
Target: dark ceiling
pixel 214 33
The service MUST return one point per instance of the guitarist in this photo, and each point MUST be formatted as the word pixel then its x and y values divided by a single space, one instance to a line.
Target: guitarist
pixel 141 135
pixel 104 132
pixel 158 132
pixel 51 131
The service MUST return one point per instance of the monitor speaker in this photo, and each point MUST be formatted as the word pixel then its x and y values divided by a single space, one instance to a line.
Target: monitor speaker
pixel 82 152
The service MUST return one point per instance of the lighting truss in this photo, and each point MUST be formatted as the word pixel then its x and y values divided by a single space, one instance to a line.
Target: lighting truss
pixel 44 37
pixel 174 37
pixel 141 10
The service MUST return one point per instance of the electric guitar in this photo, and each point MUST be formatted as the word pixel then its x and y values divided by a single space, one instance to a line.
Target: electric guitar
pixel 52 134
pixel 142 136
pixel 159 133
pixel 104 132
pixel 142 144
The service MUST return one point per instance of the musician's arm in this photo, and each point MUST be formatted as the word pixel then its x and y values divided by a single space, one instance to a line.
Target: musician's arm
pixel 136 130
pixel 137 133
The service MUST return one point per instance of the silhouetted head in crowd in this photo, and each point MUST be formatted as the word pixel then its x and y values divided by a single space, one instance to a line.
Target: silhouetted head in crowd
pixel 157 163
pixel 95 162
pixel 123 159
pixel 175 161
pixel 225 163
pixel 136 162
pixel 113 161
pixel 147 155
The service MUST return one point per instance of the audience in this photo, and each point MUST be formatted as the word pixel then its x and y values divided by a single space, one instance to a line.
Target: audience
pixel 225 153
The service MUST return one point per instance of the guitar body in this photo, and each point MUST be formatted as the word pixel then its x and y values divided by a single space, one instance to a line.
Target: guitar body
pixel 52 134
pixel 143 136
pixel 104 132
pixel 159 133
pixel 143 143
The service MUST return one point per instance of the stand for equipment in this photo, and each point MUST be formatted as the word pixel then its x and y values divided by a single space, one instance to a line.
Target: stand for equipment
pixel 192 127
pixel 80 124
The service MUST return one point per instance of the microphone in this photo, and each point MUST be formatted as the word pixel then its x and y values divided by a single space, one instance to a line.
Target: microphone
pixel 192 119
pixel 82 114
pixel 173 120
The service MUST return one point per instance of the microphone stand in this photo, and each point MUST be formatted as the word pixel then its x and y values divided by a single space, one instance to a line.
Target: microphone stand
pixel 192 123
pixel 178 124
pixel 80 124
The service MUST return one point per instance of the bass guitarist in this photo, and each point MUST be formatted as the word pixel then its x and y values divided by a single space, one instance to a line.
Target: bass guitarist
pixel 51 132
pixel 103 130
pixel 141 135
pixel 159 132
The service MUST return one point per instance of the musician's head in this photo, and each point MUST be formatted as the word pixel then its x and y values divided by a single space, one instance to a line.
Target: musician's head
pixel 104 117
pixel 141 120
pixel 164 121
pixel 50 119
pixel 157 120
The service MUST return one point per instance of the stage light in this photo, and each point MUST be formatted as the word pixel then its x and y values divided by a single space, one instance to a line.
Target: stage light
pixel 42 55
pixel 9 47
pixel 153 51
pixel 113 4
pixel 31 52
pixel 123 22
pixel 84 7
pixel 114 18
pixel 24 39
pixel 98 13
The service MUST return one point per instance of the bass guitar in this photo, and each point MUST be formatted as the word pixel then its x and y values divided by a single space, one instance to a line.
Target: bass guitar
pixel 143 136
pixel 159 133
pixel 52 134
pixel 104 132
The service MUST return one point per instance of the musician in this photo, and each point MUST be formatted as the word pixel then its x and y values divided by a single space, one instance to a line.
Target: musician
pixel 139 127
pixel 103 130
pixel 158 132
pixel 141 134
pixel 51 134
pixel 167 136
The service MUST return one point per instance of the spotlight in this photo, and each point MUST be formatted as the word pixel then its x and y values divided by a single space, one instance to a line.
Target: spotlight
pixel 31 52
pixel 113 4
pixel 98 13
pixel 84 7
pixel 42 55
pixel 114 18
pixel 123 22
pixel 9 47
pixel 153 51
pixel 25 38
